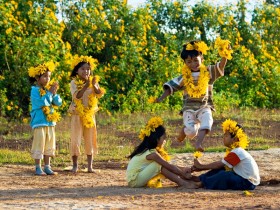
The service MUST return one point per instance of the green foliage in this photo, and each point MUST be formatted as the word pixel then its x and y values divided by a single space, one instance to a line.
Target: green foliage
pixel 137 49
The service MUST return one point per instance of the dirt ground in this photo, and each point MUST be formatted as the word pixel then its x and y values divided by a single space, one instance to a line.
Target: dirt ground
pixel 107 188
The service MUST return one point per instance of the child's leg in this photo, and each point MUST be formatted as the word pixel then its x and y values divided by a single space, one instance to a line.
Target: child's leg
pixel 181 135
pixel 89 160
pixel 47 168
pixel 177 179
pixel 75 163
pixel 206 122
pixel 90 145
pixel 76 140
pixel 191 124
pixel 38 168
pixel 49 150
pixel 200 137
pixel 39 136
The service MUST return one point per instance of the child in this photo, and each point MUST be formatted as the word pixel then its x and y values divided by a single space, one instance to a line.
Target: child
pixel 146 161
pixel 43 116
pixel 197 83
pixel 85 92
pixel 244 173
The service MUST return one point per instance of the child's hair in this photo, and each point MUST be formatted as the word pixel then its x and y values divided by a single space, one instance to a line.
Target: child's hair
pixel 149 142
pixel 76 68
pixel 192 53
pixel 232 135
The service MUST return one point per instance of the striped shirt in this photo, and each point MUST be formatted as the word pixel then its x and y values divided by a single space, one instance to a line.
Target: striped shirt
pixel 189 102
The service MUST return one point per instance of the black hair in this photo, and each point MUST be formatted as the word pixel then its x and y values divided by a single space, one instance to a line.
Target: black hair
pixel 232 135
pixel 149 142
pixel 192 53
pixel 76 68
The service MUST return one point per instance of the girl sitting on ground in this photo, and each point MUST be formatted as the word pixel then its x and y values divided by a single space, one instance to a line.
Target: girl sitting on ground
pixel 148 160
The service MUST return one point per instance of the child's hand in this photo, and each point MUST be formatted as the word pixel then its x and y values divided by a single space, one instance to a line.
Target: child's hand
pixel 187 170
pixel 197 166
pixel 87 83
pixel 157 100
pixel 54 88
pixel 94 81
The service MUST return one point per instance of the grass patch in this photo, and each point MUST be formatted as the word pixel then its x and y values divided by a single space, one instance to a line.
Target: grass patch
pixel 118 135
pixel 18 157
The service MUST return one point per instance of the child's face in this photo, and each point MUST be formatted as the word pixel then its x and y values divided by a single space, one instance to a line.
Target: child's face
pixel 84 71
pixel 44 79
pixel 228 140
pixel 162 141
pixel 194 63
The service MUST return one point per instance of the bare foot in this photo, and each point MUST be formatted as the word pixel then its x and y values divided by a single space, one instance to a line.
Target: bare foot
pixel 198 147
pixel 90 170
pixel 189 185
pixel 195 178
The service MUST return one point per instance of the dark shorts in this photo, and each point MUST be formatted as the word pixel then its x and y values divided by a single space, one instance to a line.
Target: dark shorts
pixel 220 179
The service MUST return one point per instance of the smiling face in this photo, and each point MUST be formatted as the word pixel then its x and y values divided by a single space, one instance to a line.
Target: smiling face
pixel 84 71
pixel 44 79
pixel 194 62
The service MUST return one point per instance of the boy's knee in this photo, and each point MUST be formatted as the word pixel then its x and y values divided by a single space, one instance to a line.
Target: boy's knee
pixel 191 131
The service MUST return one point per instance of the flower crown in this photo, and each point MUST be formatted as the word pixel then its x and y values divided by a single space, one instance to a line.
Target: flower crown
pixel 83 58
pixel 231 127
pixel 152 124
pixel 199 46
pixel 41 69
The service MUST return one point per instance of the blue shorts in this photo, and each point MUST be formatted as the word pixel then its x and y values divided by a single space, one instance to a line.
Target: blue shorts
pixel 220 179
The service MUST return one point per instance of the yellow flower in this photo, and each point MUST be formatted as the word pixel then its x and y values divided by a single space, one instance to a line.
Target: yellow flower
pixel 87 59
pixel 25 120
pixel 200 89
pixel 155 182
pixel 152 124
pixel 223 48
pixel 231 126
pixel 49 111
pixel 152 99
pixel 41 69
pixel 197 154
pixel 87 113
pixel 199 46
pixel 247 193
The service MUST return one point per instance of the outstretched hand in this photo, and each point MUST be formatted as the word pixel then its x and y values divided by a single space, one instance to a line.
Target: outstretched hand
pixel 197 166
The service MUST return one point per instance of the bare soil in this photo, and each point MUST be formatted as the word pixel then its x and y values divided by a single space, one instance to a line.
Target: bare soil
pixel 107 188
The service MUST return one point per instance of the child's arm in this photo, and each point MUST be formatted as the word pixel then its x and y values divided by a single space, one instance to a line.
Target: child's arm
pixel 82 91
pixel 95 86
pixel 214 165
pixel 223 61
pixel 175 169
pixel 166 93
